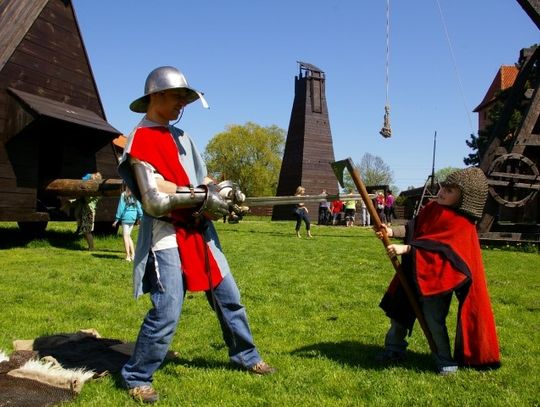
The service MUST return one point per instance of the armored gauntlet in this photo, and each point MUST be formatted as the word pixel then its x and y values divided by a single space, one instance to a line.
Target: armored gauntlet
pixel 211 201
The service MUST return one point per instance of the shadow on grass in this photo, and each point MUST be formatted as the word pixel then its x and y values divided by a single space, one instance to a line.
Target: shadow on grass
pixel 13 237
pixel 292 234
pixel 201 363
pixel 107 256
pixel 356 354
pixel 197 363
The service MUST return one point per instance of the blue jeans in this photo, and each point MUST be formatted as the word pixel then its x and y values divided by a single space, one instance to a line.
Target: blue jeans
pixel 160 323
pixel 301 214
pixel 435 310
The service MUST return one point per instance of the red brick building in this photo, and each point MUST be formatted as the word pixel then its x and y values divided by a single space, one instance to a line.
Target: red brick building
pixel 504 79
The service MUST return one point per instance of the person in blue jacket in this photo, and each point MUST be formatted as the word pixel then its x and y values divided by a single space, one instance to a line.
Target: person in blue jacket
pixel 128 214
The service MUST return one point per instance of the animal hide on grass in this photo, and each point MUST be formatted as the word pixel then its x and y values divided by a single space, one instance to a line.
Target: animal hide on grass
pixel 29 382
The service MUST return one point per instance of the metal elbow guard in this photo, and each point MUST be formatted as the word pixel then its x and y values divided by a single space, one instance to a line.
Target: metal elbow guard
pixel 157 203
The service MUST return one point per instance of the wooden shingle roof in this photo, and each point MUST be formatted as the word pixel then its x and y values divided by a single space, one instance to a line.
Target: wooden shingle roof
pixel 39 106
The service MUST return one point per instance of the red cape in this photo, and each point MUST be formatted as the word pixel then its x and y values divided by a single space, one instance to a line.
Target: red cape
pixel 155 145
pixel 446 257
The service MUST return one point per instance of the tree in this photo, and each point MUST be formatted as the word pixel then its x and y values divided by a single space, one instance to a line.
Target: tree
pixel 249 155
pixel 374 171
pixel 440 175
pixel 479 143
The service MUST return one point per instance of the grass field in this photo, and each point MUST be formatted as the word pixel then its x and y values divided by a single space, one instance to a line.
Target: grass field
pixel 313 308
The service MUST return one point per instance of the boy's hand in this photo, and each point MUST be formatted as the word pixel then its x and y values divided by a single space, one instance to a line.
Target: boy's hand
pixel 379 234
pixel 397 249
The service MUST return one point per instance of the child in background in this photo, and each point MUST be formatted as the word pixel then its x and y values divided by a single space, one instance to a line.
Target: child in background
pixel 128 213
pixel 85 212
pixel 379 202
pixel 336 208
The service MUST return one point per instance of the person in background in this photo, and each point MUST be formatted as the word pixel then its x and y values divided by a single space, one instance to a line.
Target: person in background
pixel 389 210
pixel 128 214
pixel 324 211
pixel 178 248
pixel 442 256
pixel 301 214
pixel 337 210
pixel 350 211
pixel 366 217
pixel 379 204
pixel 85 212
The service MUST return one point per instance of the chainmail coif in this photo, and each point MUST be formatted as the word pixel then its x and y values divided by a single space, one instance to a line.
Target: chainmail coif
pixel 474 189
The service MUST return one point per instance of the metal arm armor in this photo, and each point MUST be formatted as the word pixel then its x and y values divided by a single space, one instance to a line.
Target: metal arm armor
pixel 157 203
pixel 230 191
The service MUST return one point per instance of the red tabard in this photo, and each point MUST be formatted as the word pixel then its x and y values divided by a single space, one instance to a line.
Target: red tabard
pixel 447 255
pixel 156 146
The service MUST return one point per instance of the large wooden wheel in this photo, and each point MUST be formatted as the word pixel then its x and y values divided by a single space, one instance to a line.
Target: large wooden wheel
pixel 513 180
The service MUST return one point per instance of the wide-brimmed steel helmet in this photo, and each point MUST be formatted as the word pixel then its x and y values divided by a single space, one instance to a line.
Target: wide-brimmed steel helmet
pixel 166 78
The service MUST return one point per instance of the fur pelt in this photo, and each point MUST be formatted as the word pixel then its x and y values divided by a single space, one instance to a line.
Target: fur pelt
pixel 26 380
pixel 49 370
pixel 51 373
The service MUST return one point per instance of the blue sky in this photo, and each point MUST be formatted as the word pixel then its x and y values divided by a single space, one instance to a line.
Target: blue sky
pixel 243 55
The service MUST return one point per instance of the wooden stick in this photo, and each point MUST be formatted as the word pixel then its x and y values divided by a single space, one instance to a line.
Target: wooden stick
pixel 395 262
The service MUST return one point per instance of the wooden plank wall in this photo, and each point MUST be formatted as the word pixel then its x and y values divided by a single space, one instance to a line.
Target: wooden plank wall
pixel 16 17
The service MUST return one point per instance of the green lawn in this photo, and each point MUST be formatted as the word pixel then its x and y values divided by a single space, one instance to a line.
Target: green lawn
pixel 313 308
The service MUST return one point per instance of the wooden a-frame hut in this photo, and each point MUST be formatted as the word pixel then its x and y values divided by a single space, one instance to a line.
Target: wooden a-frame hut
pixel 52 121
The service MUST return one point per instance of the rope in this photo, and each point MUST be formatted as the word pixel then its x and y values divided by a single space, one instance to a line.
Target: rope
pixel 387 48
pixel 386 131
pixel 455 66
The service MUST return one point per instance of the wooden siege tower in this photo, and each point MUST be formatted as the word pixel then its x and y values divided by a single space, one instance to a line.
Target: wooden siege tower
pixel 308 147
pixel 511 160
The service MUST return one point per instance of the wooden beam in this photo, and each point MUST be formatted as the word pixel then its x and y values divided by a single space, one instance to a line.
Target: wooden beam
pixel 79 188
pixel 515 95
pixel 532 8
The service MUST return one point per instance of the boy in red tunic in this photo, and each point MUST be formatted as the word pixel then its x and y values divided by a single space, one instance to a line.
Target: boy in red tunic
pixel 442 256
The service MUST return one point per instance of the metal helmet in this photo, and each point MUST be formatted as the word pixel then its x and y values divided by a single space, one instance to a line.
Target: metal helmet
pixel 165 78
pixel 474 190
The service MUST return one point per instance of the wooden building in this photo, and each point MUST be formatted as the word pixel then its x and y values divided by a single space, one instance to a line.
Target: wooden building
pixel 52 121
pixel 504 79
pixel 308 147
